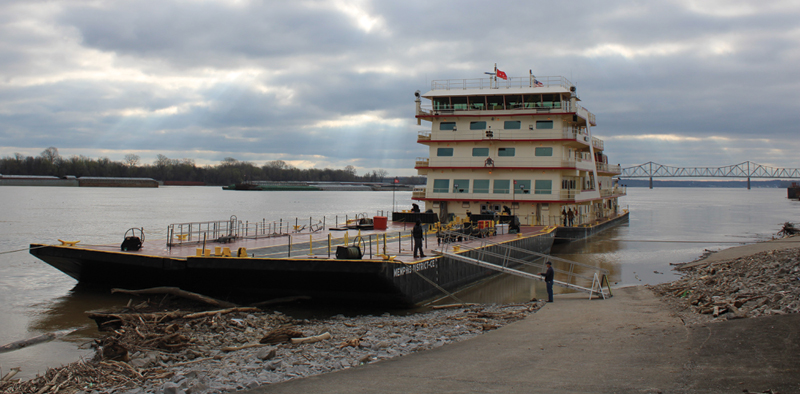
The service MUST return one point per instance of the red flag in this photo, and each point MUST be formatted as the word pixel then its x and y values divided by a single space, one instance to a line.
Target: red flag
pixel 396 180
pixel 502 75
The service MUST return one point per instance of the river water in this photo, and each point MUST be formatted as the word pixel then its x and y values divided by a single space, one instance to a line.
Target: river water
pixel 668 225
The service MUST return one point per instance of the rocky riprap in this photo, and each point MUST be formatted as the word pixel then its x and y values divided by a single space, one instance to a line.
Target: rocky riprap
pixel 766 283
pixel 216 352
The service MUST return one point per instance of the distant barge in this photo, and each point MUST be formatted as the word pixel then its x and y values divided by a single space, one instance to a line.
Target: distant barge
pixel 317 186
pixel 73 181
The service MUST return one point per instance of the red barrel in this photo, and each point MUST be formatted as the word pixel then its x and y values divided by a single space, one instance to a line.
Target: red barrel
pixel 379 222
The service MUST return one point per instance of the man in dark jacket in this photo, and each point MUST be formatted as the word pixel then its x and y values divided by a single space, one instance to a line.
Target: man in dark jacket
pixel 417 234
pixel 548 280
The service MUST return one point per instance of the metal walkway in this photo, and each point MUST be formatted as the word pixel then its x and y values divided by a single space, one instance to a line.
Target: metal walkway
pixel 598 279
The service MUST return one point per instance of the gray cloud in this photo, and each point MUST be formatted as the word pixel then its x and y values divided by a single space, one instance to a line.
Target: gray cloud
pixel 308 81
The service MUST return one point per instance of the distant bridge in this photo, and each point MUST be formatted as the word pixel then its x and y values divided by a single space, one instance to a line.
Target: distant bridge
pixel 746 169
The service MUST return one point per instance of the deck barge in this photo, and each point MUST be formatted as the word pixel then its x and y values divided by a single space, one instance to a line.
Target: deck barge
pixel 225 258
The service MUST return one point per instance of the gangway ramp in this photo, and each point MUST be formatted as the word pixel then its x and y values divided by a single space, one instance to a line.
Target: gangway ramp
pixel 595 290
pixel 504 259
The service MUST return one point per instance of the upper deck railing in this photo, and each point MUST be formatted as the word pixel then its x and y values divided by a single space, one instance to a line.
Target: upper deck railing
pixel 512 82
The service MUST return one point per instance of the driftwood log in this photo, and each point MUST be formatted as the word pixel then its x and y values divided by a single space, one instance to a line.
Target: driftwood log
pixel 281 334
pixel 221 311
pixel 10 374
pixel 452 306
pixel 179 293
pixel 312 339
pixel 282 300
pixel 35 340
pixel 249 345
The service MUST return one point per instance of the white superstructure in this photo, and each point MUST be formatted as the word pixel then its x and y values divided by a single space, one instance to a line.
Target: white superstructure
pixel 521 143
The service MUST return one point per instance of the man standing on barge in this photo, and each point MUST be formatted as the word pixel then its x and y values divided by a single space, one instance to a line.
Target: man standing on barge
pixel 417 234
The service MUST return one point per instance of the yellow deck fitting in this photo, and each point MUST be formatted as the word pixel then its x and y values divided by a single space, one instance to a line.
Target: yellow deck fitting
pixel 226 252
pixel 181 237
pixel 387 258
pixel 68 243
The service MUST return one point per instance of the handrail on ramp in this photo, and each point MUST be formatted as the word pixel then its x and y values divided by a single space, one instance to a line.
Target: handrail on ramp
pixel 595 290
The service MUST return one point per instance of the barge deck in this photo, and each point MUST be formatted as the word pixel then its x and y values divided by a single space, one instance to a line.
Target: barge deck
pixel 225 258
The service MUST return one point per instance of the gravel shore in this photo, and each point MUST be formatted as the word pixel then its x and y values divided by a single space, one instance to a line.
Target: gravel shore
pixel 177 352
pixel 763 284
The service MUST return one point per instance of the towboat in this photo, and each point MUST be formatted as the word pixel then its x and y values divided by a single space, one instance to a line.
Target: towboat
pixel 513 167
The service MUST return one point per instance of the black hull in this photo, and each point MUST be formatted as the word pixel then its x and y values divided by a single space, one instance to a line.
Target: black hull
pixel 363 281
pixel 568 234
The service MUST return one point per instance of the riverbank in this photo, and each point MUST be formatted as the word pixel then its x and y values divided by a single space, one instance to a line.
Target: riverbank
pixel 637 341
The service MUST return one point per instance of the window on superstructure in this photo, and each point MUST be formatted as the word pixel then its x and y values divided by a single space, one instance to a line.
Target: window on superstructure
pixel 477 102
pixel 543 151
pixel 556 101
pixel 447 126
pixel 477 125
pixel 513 101
pixel 522 186
pixel 459 103
pixel 512 125
pixel 441 103
pixel 501 186
pixel 543 186
pixel 505 152
pixel 544 124
pixel 532 100
pixel 480 186
pixel 460 185
pixel 444 151
pixel 441 185
pixel 548 100
pixel 494 102
pixel 480 152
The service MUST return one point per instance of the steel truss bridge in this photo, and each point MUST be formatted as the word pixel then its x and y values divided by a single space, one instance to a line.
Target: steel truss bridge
pixel 746 169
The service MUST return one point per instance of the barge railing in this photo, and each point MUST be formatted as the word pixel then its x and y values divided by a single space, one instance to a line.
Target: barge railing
pixel 224 231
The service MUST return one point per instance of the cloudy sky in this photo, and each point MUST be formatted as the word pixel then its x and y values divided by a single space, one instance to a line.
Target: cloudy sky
pixel 331 83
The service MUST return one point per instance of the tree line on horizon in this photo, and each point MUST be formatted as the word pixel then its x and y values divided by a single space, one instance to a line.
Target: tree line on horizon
pixel 228 171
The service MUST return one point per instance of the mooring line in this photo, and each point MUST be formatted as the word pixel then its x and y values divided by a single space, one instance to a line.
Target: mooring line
pixel 24 250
